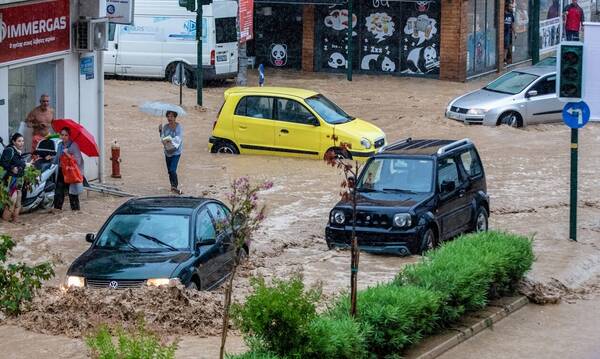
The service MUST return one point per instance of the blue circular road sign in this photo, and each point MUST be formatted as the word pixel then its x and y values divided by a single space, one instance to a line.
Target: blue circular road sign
pixel 576 114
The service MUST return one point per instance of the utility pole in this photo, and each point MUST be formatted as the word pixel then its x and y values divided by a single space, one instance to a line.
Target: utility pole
pixel 199 81
pixel 242 76
pixel 349 44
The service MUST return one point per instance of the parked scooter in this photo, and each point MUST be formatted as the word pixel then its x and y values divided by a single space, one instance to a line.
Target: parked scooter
pixel 41 195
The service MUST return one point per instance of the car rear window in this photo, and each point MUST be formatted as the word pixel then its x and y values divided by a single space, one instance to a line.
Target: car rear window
pixel 225 30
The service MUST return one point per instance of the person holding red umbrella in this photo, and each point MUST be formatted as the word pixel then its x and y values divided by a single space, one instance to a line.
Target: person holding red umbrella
pixel 67 149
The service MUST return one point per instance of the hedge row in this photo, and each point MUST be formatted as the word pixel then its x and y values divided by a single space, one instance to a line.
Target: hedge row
pixel 462 275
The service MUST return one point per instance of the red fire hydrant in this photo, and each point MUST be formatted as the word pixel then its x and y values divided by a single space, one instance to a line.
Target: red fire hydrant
pixel 116 160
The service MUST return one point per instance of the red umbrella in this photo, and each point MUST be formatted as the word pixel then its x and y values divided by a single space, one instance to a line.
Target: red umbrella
pixel 79 135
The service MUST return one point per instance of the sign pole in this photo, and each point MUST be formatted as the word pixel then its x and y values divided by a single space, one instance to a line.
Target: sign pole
pixel 181 70
pixel 199 62
pixel 349 44
pixel 573 202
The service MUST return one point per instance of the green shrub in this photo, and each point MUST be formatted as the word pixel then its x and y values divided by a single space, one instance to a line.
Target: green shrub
pixel 278 317
pixel 469 270
pixel 393 317
pixel 18 281
pixel 254 355
pixel 139 344
pixel 335 338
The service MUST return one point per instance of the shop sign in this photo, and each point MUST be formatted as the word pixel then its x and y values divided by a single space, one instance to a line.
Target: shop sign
pixel 36 29
pixel 246 19
pixel 120 11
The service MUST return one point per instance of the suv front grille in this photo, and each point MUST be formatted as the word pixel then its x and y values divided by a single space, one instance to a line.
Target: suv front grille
pixel 366 219
pixel 459 109
pixel 120 283
pixel 379 142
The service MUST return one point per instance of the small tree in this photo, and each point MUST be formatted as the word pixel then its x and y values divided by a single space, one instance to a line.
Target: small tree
pixel 242 222
pixel 338 157
pixel 18 281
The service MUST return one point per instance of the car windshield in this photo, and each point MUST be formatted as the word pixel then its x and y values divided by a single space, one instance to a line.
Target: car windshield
pixel 397 175
pixel 548 61
pixel 328 111
pixel 145 232
pixel 511 83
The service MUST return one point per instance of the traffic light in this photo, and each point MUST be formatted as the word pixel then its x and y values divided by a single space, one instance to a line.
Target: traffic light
pixel 190 5
pixel 569 86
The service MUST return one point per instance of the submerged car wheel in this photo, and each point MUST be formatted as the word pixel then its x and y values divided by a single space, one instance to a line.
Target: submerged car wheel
pixel 192 285
pixel 481 220
pixel 428 241
pixel 511 119
pixel 225 147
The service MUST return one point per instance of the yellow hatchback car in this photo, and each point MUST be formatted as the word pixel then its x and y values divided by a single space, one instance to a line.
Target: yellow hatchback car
pixel 288 122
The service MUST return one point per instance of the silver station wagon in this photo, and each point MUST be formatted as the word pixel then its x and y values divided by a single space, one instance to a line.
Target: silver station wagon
pixel 518 98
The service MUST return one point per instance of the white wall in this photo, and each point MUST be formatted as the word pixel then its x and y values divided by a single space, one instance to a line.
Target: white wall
pixel 4 108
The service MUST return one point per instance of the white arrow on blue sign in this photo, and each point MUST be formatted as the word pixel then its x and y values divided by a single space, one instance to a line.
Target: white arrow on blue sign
pixel 576 114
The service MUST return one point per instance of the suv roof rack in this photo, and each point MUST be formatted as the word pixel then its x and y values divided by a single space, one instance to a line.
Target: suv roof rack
pixel 453 145
pixel 395 145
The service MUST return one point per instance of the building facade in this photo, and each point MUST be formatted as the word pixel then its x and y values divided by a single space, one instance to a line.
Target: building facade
pixel 38 56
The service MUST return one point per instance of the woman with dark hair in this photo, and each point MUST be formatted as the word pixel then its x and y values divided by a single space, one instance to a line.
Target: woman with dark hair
pixel 13 163
pixel 67 147
pixel 171 136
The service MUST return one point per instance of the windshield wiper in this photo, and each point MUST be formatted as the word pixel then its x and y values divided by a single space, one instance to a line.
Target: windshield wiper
pixel 398 190
pixel 156 240
pixel 123 240
pixel 498 91
pixel 364 189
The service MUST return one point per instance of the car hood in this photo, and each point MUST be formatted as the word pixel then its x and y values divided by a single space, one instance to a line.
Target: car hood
pixel 483 99
pixel 396 201
pixel 115 264
pixel 362 128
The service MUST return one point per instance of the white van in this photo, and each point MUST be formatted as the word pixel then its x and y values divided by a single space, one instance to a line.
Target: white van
pixel 164 34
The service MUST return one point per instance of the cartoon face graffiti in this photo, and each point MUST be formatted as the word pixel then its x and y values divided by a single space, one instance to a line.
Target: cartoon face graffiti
pixel 337 60
pixel 422 6
pixel 278 54
pixel 429 56
pixel 388 65
pixel 338 20
pixel 422 60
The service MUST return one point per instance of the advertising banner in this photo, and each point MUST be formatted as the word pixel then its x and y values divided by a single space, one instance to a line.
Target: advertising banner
pixel 120 11
pixel 36 29
pixel 591 70
pixel 246 20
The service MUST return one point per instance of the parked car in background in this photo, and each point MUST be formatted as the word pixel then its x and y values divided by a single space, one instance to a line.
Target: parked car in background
pixel 518 98
pixel 411 196
pixel 164 34
pixel 158 241
pixel 289 122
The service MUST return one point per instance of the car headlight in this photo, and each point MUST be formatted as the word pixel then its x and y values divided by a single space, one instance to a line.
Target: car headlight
pixel 476 111
pixel 75 281
pixel 157 282
pixel 365 143
pixel 338 217
pixel 402 220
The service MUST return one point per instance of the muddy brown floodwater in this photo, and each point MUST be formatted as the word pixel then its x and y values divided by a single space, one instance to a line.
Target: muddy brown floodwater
pixel 527 175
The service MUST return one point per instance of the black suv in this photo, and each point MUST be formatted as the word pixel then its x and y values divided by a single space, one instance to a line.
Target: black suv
pixel 412 195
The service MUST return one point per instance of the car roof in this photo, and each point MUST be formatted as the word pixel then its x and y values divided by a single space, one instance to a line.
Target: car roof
pixel 424 147
pixel 537 70
pixel 179 204
pixel 273 91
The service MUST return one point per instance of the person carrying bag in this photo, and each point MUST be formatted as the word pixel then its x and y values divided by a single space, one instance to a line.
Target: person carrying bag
pixel 70 172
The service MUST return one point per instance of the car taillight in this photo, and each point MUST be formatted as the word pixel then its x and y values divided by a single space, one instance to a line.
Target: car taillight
pixel 212 57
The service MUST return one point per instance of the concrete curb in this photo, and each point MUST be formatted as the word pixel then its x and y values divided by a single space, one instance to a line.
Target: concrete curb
pixel 478 327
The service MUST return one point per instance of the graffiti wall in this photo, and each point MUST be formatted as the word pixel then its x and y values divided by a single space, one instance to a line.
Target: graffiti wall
pixel 388 37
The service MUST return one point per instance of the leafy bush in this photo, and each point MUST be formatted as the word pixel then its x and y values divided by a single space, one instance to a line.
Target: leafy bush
pixel 393 317
pixel 469 270
pixel 331 337
pixel 19 281
pixel 279 316
pixel 254 355
pixel 139 344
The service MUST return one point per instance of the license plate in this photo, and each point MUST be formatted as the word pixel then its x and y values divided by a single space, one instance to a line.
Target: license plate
pixel 221 58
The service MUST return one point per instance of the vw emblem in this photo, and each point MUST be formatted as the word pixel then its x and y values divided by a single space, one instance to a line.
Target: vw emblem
pixel 368 218
pixel 113 284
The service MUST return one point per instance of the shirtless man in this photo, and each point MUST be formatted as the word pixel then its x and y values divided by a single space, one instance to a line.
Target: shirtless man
pixel 40 119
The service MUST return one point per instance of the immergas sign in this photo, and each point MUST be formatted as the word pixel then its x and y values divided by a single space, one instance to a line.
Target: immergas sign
pixel 32 30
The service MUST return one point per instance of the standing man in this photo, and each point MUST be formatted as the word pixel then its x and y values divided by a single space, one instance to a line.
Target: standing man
pixel 509 26
pixel 40 119
pixel 573 18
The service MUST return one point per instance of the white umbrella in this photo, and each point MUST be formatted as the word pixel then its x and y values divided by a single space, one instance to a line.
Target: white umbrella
pixel 156 108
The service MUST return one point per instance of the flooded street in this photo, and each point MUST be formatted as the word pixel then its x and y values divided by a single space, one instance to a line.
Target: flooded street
pixel 527 176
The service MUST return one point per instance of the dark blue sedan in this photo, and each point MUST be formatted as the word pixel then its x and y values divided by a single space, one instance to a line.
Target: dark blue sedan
pixel 159 241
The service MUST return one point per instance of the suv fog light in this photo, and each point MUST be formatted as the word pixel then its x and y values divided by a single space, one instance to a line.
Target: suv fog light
pixel 338 217
pixel 402 220
pixel 74 281
pixel 157 282
pixel 365 143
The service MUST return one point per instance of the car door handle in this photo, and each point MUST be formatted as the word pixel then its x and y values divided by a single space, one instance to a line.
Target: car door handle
pixel 243 127
pixel 461 193
pixel 283 130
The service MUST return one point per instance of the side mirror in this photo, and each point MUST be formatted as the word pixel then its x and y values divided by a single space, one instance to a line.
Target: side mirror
pixel 532 93
pixel 448 186
pixel 351 182
pixel 90 237
pixel 206 242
